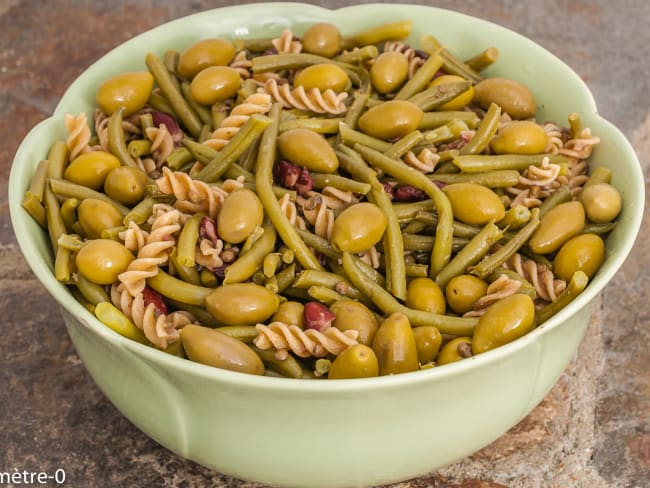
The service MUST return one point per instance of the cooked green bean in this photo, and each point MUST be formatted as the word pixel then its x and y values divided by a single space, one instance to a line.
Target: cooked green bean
pixel 355 110
pixel 139 147
pixel 376 35
pixel 599 174
pixel 179 157
pixel 178 290
pixel 460 229
pixel 92 292
pixel 441 252
pixel 319 244
pixel 35 208
pixel 113 233
pixel 160 103
pixel 417 270
pixel 320 125
pixel 350 137
pixel 207 278
pixel 325 279
pixel 186 273
pixel 187 239
pixel 140 213
pixel 69 212
pixel 469 255
pixel 263 184
pixel 359 55
pixel 451 64
pixel 484 132
pixel 421 78
pixel 67 189
pixel 446 324
pixel 201 111
pixel 431 120
pixel 575 126
pixel 415 227
pixel 439 135
pixel 55 224
pixel 251 261
pixel 324 294
pixel 38 181
pixel 561 195
pixel 476 163
pixel 515 217
pixel 501 255
pixel 598 229
pixel 321 180
pixel 288 367
pixel 407 211
pixel 492 179
pixel 116 140
pixel 576 285
pixel 113 318
pixel 271 263
pixel 285 277
pixel 483 59
pixel 415 242
pixel 57 159
pixel 354 164
pixel 62 264
pixel 236 146
pixel 400 147
pixel 438 95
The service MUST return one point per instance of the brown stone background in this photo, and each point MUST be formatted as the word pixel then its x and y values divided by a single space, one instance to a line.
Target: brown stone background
pixel 592 430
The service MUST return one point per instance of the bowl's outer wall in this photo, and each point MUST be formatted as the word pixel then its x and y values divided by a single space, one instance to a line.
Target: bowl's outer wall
pixel 288 432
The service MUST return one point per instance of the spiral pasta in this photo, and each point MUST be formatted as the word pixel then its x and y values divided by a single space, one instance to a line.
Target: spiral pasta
pixel 286 43
pixel 208 254
pixel 78 134
pixel 242 65
pixel 162 143
pixel 313 100
pixel 318 214
pixel 411 55
pixel 547 286
pixel 134 237
pixel 303 343
pixel 425 161
pixel 257 103
pixel 191 195
pixel 290 211
pixel 500 288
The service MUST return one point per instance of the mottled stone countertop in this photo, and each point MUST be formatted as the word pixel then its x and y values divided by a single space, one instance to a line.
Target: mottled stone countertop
pixel 592 429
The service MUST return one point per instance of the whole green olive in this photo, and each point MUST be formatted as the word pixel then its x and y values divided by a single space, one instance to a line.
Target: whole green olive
pixel 462 292
pixel 391 120
pixel 427 341
pixel 213 348
pixel 126 184
pixel 425 294
pixel 101 260
pixel 602 202
pixel 585 252
pixel 472 203
pixel 323 39
pixel 204 53
pixel 130 90
pixel 358 227
pixel 290 313
pixel 358 361
pixel 97 215
pixel 323 76
pixel 455 350
pixel 456 103
pixel 503 322
pixel 513 97
pixel 240 213
pixel 520 137
pixel 389 71
pixel 307 148
pixel 241 304
pixel 214 84
pixel 395 347
pixel 557 226
pixel 90 169
pixel 351 315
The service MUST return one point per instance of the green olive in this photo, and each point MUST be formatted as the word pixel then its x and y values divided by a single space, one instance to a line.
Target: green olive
pixel 126 184
pixel 514 98
pixel 323 76
pixel 455 350
pixel 240 213
pixel 503 322
pixel 130 90
pixel 241 304
pixel 97 215
pixel 204 53
pixel 389 71
pixel 307 148
pixel 602 202
pixel 585 252
pixel 290 313
pixel 351 315
pixel 214 84
pixel 358 227
pixel 101 260
pixel 557 226
pixel 209 346
pixel 427 341
pixel 90 169
pixel 323 39
pixel 425 294
pixel 456 103
pixel 358 361
pixel 391 120
pixel 395 347
pixel 463 291
pixel 520 137
pixel 473 203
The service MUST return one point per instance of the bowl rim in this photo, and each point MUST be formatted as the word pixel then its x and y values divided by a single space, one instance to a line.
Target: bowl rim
pixel 39 266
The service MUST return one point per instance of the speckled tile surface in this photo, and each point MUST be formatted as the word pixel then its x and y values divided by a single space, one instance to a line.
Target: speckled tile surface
pixel 592 429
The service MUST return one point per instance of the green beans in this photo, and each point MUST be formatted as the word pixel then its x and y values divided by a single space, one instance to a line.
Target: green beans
pixel 561 195
pixel 477 163
pixel 438 95
pixel 55 224
pixel 116 141
pixel 322 126
pixel 178 290
pixel 92 292
pixel 492 179
pixel 67 189
pixel 431 120
pixel 404 145
pixel 381 33
pixel 483 59
pixel 180 107
pixel 248 263
pixel 485 131
pixel 421 78
pixel 57 159
pixel 34 207
pixel 187 240
pixel 515 217
pixel 111 317
pixel 576 285
pixel 141 212
pixel 350 137
pixel 321 180
pixel 263 183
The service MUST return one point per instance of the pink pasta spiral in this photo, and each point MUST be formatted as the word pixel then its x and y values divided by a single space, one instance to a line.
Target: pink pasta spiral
pixel 303 343
pixel 257 103
pixel 314 100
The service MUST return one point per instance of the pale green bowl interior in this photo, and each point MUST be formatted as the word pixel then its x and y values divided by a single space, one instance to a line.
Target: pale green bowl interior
pixel 558 90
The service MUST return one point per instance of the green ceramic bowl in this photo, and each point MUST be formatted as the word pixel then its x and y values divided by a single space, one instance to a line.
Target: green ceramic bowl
pixel 334 433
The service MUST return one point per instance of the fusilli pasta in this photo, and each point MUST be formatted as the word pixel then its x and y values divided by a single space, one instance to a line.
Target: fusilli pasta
pixel 313 100
pixel 78 134
pixel 547 286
